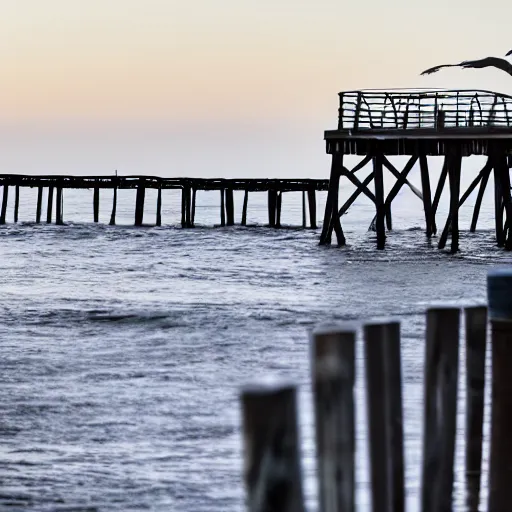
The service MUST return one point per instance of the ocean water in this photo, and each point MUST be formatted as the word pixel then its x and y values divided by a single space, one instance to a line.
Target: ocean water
pixel 123 349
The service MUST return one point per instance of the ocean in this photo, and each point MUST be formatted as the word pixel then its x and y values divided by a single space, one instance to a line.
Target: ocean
pixel 124 349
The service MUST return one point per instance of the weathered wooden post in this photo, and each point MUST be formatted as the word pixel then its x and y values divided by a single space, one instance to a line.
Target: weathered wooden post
pixel 188 204
pixel 96 203
pixel 426 192
pixel 279 203
pixel 159 207
pixel 272 472
pixel 476 328
pixel 312 207
pixel 333 375
pixel 139 202
pixel 385 419
pixel 303 209
pixel 499 294
pixel 440 399
pixel 230 207
pixel 379 200
pixel 244 208
pixel 4 203
pixel 39 204
pixel 50 205
pixel 114 207
pixel 272 203
pixel 58 207
pixel 16 202
pixel 222 208
pixel 193 208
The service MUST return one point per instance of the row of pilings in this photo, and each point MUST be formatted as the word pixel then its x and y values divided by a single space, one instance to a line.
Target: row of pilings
pixel 189 188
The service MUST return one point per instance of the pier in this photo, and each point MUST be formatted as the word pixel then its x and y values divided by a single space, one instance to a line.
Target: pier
pixel 275 188
pixel 452 124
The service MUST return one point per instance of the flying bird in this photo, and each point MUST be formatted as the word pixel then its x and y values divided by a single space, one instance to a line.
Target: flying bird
pixel 496 62
pixel 509 53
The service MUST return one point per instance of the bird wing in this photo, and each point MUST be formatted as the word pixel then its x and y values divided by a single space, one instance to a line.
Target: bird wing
pixel 495 62
pixel 509 53
pixel 435 69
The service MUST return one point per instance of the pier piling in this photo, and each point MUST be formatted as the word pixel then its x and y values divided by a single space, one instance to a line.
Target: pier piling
pixel 139 202
pixel 16 202
pixel 49 206
pixel 333 376
pixel 5 197
pixel 39 204
pixel 58 207
pixel 379 200
pixel 114 208
pixel 244 208
pixel 193 208
pixel 222 208
pixel 230 207
pixel 96 204
pixel 312 208
pixel 159 208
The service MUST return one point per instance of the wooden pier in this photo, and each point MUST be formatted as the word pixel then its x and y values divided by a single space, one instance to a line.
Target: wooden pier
pixel 377 124
pixel 275 188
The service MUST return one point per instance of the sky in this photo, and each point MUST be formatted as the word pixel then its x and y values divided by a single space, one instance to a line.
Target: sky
pixel 217 88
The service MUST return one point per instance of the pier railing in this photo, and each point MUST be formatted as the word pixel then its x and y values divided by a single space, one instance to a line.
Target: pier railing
pixel 412 109
pixel 272 469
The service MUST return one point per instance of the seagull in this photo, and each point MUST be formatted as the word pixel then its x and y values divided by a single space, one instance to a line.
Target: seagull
pixel 496 62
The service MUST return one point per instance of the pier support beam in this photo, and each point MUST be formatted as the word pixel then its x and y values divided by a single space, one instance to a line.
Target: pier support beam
pixel 272 204
pixel 50 206
pixel 16 202
pixel 481 191
pixel 193 208
pixel 279 202
pixel 39 204
pixel 114 208
pixel 222 208
pixel 139 202
pixel 312 207
pixel 96 204
pixel 58 207
pixel 159 208
pixel 4 203
pixel 244 208
pixel 427 198
pixel 502 174
pixel 379 200
pixel 230 207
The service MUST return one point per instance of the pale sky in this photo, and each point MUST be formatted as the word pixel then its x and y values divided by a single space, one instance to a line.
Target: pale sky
pixel 176 70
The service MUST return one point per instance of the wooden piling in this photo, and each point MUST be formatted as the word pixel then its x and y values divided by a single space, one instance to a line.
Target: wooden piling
pixel 439 191
pixel 58 207
pixel 96 203
pixel 50 205
pixel 244 208
pixel 159 208
pixel 114 208
pixel 304 209
pixel 498 209
pixel 379 201
pixel 193 208
pixel 272 470
pixel 272 203
pixel 333 375
pixel 230 207
pixel 312 208
pixel 440 399
pixel 479 197
pixel 331 216
pixel 222 208
pixel 4 203
pixel 476 329
pixel 499 293
pixel 502 173
pixel 279 202
pixel 427 198
pixel 16 202
pixel 139 202
pixel 39 204
pixel 188 204
pixel 385 418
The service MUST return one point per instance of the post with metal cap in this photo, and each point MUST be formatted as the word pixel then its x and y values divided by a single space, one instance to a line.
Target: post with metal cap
pixel 333 376
pixel 499 294
pixel 272 471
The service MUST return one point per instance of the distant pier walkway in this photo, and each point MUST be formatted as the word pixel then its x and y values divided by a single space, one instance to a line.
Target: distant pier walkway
pixel 188 186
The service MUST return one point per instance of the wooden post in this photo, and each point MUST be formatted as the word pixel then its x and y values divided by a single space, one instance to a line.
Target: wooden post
pixel 58 207
pixel 499 294
pixel 279 202
pixel 193 208
pixel 498 208
pixel 96 203
pixel 379 200
pixel 222 208
pixel 454 179
pixel 478 203
pixel 312 207
pixel 384 401
pixel 230 207
pixel 184 207
pixel 439 191
pixel 427 198
pixel 244 208
pixel 4 203
pixel 476 328
pixel 114 208
pixel 272 200
pixel 303 209
pixel 333 375
pixel 272 471
pixel 139 202
pixel 188 206
pixel 16 202
pixel 440 399
pixel 502 173
pixel 50 205
pixel 159 207
pixel 39 204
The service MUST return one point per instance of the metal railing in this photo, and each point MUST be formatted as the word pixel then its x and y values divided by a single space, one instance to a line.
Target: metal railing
pixel 400 109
